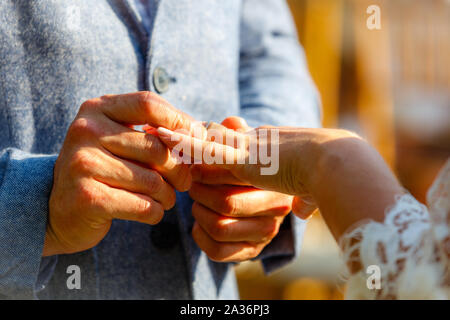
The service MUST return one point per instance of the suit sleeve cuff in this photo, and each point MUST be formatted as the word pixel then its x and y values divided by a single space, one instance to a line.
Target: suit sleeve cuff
pixel 25 185
pixel 285 247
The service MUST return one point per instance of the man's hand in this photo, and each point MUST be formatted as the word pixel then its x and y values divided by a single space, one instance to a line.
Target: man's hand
pixel 106 170
pixel 234 222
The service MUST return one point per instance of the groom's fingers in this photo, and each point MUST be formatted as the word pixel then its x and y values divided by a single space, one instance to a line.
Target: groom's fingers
pixel 226 229
pixel 142 107
pixel 146 149
pixel 303 207
pixel 225 251
pixel 241 201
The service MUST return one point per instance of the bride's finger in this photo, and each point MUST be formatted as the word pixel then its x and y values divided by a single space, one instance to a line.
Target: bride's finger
pixel 202 151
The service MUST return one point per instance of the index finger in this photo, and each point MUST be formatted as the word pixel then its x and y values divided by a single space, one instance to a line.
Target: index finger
pixel 144 107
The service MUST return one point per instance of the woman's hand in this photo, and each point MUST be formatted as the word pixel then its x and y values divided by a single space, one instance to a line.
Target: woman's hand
pixel 281 159
pixel 335 169
pixel 233 221
pixel 241 153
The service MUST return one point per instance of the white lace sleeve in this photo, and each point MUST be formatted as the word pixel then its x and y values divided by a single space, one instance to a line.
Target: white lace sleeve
pixel 411 249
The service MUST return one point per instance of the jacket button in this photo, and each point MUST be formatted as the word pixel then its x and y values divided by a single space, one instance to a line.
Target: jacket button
pixel 161 80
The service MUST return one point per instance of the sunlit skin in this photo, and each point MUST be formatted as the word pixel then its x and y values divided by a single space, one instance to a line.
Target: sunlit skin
pixel 106 170
pixel 334 170
pixel 234 221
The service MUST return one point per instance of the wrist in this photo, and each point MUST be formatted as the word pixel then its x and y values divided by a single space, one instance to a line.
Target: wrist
pixel 336 154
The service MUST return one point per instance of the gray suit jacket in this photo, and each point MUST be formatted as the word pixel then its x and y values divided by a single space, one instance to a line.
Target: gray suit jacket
pixel 221 58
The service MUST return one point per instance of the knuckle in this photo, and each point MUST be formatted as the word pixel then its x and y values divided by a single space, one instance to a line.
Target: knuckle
pixel 249 252
pixel 270 229
pixel 85 106
pixel 177 120
pixel 149 212
pixel 153 181
pixel 196 210
pixel 216 253
pixel 158 151
pixel 82 162
pixel 213 250
pixel 253 253
pixel 89 105
pixel 218 230
pixel 87 196
pixel 172 198
pixel 105 97
pixel 227 205
pixel 146 100
pixel 143 207
pixel 231 205
pixel 82 127
pixel 209 249
pixel 148 142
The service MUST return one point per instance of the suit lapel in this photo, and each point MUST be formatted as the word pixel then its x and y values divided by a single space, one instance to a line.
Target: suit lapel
pixel 129 14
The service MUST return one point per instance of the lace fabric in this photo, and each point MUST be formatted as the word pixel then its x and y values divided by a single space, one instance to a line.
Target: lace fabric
pixel 411 248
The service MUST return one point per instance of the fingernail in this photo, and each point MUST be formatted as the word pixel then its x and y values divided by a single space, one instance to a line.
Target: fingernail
pixel 165 132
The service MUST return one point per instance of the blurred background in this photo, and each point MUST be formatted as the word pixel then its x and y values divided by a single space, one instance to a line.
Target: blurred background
pixel 392 86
